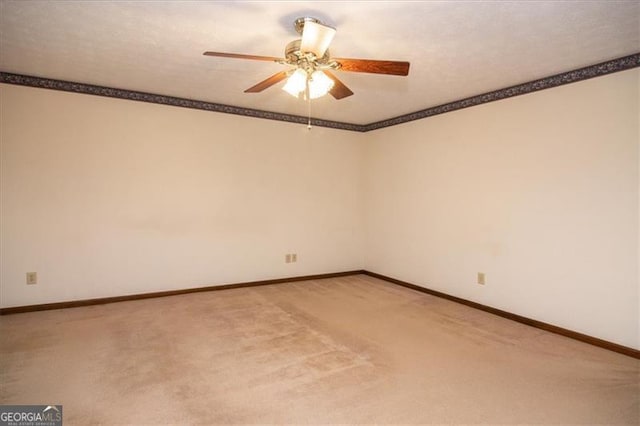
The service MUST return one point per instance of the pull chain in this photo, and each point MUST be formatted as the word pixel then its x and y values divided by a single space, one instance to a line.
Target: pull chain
pixel 309 122
pixel 309 106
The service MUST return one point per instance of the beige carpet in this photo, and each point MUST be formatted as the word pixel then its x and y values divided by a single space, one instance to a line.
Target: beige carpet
pixel 345 350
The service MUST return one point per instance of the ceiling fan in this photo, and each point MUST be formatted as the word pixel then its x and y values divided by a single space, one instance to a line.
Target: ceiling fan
pixel 311 75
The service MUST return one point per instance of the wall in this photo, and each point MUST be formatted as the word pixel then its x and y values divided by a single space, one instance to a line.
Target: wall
pixel 540 192
pixel 106 197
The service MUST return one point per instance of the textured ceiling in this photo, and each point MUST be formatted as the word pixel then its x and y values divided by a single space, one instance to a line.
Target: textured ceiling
pixel 457 49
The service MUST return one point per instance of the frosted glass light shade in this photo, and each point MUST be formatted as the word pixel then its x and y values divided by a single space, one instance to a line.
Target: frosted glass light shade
pixel 319 84
pixel 296 83
pixel 316 38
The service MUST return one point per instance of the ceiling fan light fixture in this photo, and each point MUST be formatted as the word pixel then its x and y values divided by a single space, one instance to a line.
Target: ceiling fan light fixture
pixel 296 83
pixel 319 84
pixel 312 73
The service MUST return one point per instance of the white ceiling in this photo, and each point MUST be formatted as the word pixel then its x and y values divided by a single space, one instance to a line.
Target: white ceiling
pixel 457 49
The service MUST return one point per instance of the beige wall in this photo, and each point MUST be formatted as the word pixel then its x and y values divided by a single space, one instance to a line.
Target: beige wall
pixel 540 192
pixel 106 197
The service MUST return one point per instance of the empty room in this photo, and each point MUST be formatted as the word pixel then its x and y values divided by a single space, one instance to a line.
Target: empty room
pixel 389 212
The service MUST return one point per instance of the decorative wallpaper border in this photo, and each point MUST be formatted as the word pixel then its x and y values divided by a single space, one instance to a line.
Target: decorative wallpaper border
pixel 597 70
pixel 603 68
pixel 90 89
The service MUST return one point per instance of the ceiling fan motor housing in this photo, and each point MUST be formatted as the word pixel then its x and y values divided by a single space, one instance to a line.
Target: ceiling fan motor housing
pixel 294 56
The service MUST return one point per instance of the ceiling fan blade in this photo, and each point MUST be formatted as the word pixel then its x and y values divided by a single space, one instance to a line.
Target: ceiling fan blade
pixel 241 56
pixel 265 84
pixel 372 66
pixel 339 90
pixel 316 38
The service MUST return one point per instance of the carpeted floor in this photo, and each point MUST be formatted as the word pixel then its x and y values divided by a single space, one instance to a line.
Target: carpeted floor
pixel 344 350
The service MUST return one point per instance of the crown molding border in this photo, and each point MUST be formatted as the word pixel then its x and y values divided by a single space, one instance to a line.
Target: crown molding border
pixel 597 70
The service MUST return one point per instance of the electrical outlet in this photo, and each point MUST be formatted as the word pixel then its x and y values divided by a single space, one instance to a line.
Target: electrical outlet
pixel 294 257
pixel 481 277
pixel 32 278
pixel 287 258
